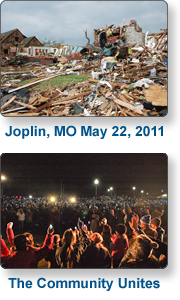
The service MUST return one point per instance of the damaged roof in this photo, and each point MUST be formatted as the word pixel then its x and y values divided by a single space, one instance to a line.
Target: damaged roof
pixel 6 34
pixel 27 40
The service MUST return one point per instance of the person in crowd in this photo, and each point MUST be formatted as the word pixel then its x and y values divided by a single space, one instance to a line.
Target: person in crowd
pixel 10 233
pixel 95 255
pixel 120 245
pixel 139 254
pixel 130 214
pixel 24 256
pixel 50 258
pixel 4 249
pixel 103 225
pixel 157 214
pixel 156 224
pixel 160 252
pixel 112 220
pixel 146 211
pixel 107 240
pixel 121 217
pixel 21 218
pixel 65 255
pixel 28 235
pixel 94 220
pixel 67 217
pixel 30 241
pixel 145 223
pixel 106 232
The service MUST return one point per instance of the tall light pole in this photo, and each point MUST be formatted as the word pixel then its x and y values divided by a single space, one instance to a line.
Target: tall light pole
pixel 111 189
pixel 96 182
pixel 3 178
pixel 133 188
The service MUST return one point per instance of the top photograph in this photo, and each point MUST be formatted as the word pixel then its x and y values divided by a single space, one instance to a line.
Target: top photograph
pixel 84 58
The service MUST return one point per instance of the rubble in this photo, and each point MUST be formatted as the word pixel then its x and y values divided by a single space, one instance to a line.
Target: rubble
pixel 123 81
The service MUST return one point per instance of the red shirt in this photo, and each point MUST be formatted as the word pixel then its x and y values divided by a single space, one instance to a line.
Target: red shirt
pixel 10 236
pixel 119 248
pixel 4 249
pixel 30 257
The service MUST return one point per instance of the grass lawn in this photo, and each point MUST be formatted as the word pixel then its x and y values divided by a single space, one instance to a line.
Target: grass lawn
pixel 58 81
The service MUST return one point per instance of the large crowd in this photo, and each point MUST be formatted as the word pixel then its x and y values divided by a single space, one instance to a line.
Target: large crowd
pixel 108 232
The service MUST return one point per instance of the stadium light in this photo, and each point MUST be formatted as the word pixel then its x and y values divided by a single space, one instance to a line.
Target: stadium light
pixel 73 199
pixel 3 177
pixel 96 182
pixel 52 199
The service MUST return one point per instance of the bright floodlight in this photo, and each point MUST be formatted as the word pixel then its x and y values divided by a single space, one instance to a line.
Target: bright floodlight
pixel 142 192
pixel 52 199
pixel 96 181
pixel 134 188
pixel 3 177
pixel 111 188
pixel 73 199
pixel 30 196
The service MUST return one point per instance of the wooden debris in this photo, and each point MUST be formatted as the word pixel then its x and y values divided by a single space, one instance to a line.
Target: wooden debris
pixel 107 93
pixel 7 103
pixel 156 95
pixel 127 105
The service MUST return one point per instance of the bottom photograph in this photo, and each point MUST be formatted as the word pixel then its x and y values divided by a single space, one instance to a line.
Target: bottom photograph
pixel 84 210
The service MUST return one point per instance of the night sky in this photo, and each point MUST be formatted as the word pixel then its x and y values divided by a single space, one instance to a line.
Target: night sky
pixel 41 174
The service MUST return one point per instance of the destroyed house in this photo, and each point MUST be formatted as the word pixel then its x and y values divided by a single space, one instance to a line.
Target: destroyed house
pixel 126 35
pixel 30 41
pixel 14 41
pixel 159 39
pixel 10 41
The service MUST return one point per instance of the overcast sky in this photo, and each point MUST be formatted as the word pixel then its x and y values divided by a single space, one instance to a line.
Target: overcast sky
pixel 67 20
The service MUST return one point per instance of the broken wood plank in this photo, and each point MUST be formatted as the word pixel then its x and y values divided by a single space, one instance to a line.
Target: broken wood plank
pixel 7 103
pixel 127 105
pixel 35 82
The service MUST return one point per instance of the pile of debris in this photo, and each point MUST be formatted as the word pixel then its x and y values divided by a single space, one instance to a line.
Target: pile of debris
pixel 123 81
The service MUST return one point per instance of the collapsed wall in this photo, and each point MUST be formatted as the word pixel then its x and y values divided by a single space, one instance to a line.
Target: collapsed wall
pixel 132 37
pixel 128 34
